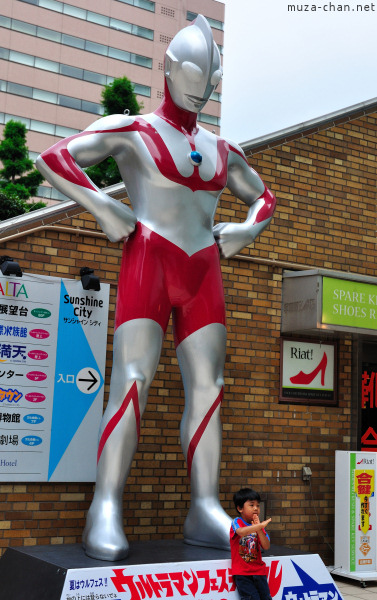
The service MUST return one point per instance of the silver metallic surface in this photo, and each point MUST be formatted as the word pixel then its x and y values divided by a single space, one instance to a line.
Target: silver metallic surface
pixel 192 66
pixel 201 359
pixel 177 200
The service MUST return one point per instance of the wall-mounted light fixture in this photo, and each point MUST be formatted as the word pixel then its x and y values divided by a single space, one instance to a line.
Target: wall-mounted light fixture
pixel 89 280
pixel 10 267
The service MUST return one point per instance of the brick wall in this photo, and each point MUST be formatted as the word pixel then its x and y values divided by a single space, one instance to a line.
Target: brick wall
pixel 325 182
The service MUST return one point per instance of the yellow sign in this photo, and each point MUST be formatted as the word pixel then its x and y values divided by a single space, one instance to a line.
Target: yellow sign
pixel 364 488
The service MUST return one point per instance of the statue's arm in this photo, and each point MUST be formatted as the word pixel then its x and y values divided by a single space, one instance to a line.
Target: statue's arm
pixel 246 184
pixel 62 165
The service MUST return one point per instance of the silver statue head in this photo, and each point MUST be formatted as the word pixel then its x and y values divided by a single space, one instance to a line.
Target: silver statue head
pixel 192 66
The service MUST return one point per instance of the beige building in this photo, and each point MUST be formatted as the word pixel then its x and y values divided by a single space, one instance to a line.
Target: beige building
pixel 55 58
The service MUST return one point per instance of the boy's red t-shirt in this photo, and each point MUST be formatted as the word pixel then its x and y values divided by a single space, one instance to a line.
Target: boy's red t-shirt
pixel 245 551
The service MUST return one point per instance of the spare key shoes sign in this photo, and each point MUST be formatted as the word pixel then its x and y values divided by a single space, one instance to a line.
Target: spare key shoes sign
pixel 52 363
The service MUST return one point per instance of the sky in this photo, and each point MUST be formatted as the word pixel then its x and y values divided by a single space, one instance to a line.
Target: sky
pixel 282 68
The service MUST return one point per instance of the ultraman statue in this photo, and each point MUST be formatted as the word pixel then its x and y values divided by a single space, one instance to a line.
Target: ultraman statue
pixel 174 172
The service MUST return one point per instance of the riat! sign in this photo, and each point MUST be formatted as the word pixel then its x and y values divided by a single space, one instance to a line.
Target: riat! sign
pixel 307 372
pixel 52 361
pixel 303 577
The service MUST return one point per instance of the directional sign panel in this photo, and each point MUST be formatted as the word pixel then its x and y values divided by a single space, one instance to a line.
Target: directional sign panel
pixel 52 363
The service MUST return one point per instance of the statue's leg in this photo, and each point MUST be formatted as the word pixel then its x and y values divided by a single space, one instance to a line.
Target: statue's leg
pixel 201 357
pixel 137 348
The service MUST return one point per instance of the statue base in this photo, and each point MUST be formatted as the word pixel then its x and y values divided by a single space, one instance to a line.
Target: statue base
pixel 155 569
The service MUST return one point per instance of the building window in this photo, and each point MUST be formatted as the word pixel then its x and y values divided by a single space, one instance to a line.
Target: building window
pixel 146 4
pixel 50 97
pixel 190 16
pixel 92 17
pixel 76 42
pixel 210 119
pixel 67 70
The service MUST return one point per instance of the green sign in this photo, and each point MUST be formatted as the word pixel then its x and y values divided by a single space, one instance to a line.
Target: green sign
pixel 349 303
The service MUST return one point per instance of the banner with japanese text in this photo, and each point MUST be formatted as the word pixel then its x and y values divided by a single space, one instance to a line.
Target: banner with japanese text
pixel 52 362
pixel 368 428
pixel 302 577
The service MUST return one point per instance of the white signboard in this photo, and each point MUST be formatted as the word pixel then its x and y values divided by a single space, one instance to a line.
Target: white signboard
pixel 308 371
pixel 52 363
pixel 303 577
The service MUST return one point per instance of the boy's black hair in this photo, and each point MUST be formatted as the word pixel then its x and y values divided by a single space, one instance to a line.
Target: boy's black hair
pixel 243 495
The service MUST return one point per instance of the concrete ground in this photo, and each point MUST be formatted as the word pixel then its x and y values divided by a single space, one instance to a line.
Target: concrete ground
pixel 353 590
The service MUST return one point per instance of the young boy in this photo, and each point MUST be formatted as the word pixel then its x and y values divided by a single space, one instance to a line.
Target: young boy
pixel 247 536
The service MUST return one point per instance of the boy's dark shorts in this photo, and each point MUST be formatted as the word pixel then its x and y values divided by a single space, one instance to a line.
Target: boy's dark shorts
pixel 252 587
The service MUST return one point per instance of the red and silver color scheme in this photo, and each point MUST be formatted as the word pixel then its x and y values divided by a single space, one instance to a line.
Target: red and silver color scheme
pixel 174 172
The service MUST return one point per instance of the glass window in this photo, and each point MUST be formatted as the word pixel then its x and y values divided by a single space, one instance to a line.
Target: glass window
pixel 71 71
pixel 45 96
pixel 44 191
pixel 92 107
pixel 51 5
pixel 23 120
pixel 97 18
pixel 95 77
pixel 20 57
pixel 120 25
pixel 3 86
pixel 24 27
pixel 74 11
pixel 96 48
pixel 46 65
pixel 69 102
pixel 210 119
pixel 49 34
pixel 5 54
pixel 31 2
pixel 42 127
pixel 143 61
pixel 20 90
pixel 142 90
pixel 71 40
pixel 147 4
pixel 119 54
pixel 5 22
pixel 142 32
pixel 215 96
pixel 65 131
pixel 190 16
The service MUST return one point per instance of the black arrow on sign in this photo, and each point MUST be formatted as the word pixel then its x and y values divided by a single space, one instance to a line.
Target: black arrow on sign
pixel 93 380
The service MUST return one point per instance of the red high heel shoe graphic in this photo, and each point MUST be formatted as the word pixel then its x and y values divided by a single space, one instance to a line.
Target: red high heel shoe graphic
pixel 306 378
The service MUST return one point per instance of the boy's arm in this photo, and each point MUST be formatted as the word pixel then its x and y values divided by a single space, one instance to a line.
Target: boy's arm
pixel 255 528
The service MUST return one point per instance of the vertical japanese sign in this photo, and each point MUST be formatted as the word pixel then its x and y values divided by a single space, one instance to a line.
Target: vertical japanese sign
pixel 368 434
pixel 52 363
pixel 362 513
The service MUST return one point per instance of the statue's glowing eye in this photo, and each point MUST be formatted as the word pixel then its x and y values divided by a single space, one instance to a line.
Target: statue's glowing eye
pixel 192 71
pixel 216 77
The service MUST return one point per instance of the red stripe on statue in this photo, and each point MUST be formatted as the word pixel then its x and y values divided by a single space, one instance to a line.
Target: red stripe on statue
pixel 201 429
pixel 132 395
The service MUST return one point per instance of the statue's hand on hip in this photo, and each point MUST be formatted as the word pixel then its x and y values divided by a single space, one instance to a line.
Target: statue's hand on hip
pixel 232 237
pixel 116 220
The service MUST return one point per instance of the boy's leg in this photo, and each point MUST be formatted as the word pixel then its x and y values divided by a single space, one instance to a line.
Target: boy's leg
pixel 261 584
pixel 247 588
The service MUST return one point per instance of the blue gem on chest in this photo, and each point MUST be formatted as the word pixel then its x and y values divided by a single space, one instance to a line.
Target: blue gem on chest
pixel 195 158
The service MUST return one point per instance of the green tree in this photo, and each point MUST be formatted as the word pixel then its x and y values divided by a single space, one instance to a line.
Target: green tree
pixel 117 97
pixel 18 177
pixel 12 206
